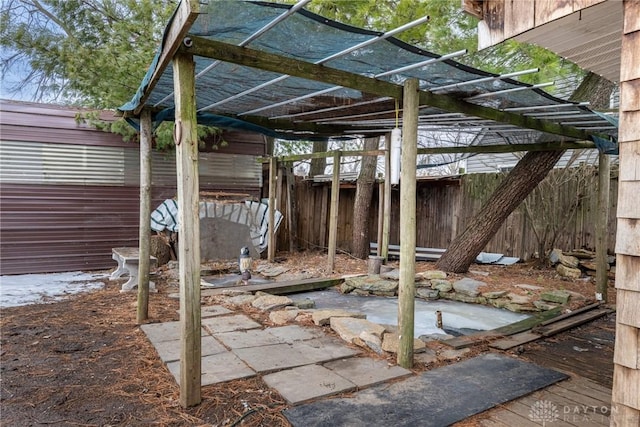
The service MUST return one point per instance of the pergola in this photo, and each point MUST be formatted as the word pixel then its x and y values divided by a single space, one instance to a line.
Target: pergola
pixel 287 73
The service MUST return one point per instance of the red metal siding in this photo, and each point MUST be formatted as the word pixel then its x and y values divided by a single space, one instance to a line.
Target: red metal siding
pixel 52 228
pixel 66 226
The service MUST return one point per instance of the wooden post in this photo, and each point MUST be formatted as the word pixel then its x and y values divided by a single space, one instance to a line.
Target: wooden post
pixel 273 169
pixel 144 236
pixel 602 227
pixel 323 216
pixel 406 290
pixel 333 215
pixel 186 139
pixel 292 221
pixel 386 222
pixel 380 217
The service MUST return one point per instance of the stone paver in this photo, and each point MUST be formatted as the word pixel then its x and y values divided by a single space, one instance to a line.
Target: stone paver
pixel 249 338
pixel 214 310
pixel 167 331
pixel 364 371
pixel 305 383
pixel 324 349
pixel 237 322
pixel 169 351
pixel 217 368
pixel 292 333
pixel 273 357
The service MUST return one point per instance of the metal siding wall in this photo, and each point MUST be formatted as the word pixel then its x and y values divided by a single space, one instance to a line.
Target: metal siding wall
pixel 51 228
pixel 67 201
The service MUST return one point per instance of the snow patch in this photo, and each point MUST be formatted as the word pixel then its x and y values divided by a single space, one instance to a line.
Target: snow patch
pixel 43 288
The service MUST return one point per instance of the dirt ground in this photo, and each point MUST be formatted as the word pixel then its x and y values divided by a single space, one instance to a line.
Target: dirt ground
pixel 84 361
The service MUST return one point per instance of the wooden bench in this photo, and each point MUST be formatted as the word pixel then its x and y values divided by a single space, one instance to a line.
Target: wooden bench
pixel 128 260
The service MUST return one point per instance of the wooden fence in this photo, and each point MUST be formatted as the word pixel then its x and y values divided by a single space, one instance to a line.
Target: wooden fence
pixel 444 207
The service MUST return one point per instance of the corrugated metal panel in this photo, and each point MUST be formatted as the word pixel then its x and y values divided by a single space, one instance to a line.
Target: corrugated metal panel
pixel 34 162
pixel 50 228
pixel 228 171
pixel 69 194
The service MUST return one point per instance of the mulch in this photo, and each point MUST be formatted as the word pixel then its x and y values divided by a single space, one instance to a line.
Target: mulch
pixel 85 362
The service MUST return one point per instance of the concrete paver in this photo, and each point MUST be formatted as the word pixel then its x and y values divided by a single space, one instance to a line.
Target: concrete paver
pixel 272 357
pixel 169 351
pixel 217 368
pixel 249 338
pixel 308 382
pixel 324 349
pixel 236 322
pixel 292 333
pixel 167 331
pixel 364 371
pixel 213 310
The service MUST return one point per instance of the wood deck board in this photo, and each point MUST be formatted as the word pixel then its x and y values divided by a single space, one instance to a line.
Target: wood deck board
pixel 571 322
pixel 523 409
pixel 574 409
pixel 512 419
pixel 515 340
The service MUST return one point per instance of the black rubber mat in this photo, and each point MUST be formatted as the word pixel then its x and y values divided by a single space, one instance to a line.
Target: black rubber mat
pixel 436 398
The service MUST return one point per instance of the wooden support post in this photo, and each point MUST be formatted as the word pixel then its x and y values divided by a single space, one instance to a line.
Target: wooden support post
pixel 273 169
pixel 406 291
pixel 186 139
pixel 144 236
pixel 292 221
pixel 333 215
pixel 380 218
pixel 602 227
pixel 324 202
pixel 386 221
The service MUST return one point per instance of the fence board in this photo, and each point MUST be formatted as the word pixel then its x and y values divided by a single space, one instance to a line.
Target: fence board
pixel 445 206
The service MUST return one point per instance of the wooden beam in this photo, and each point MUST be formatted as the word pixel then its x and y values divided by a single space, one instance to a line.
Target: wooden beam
pixel 273 170
pixel 325 154
pixel 501 148
pixel 287 126
pixel 333 215
pixel 602 227
pixel 186 140
pixel 406 289
pixel 283 287
pixel 511 148
pixel 144 236
pixel 294 67
pixel 180 25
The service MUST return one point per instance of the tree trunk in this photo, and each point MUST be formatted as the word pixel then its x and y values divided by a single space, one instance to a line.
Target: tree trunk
pixel 318 165
pixel 362 204
pixel 526 175
pixel 529 171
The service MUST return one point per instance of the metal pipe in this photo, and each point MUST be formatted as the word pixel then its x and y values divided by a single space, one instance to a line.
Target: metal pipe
pixel 515 89
pixel 249 39
pixel 485 79
pixel 543 107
